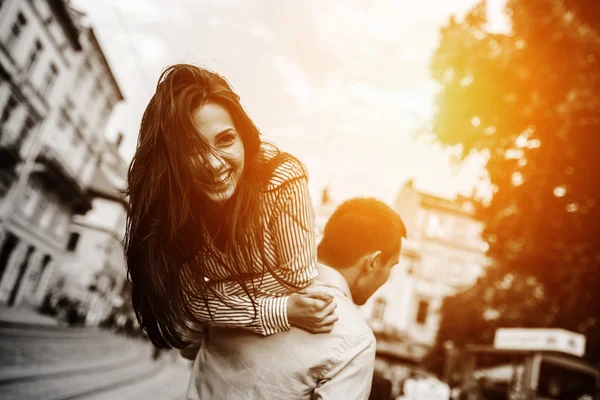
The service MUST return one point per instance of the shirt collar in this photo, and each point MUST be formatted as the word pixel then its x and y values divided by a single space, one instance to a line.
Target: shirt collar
pixel 331 277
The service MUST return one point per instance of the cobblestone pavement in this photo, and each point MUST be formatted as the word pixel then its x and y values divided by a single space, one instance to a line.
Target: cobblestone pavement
pixel 57 362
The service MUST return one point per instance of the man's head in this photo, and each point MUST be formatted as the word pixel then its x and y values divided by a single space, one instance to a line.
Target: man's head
pixel 362 240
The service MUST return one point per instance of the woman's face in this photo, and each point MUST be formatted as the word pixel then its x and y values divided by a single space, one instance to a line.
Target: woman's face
pixel 215 124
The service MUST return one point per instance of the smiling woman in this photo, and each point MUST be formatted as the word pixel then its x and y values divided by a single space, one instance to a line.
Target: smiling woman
pixel 220 227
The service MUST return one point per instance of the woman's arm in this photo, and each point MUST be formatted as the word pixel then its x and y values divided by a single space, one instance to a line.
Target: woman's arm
pixel 309 310
pixel 230 307
pixel 295 241
pixel 293 232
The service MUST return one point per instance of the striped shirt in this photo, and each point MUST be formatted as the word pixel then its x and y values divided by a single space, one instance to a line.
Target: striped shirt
pixel 290 249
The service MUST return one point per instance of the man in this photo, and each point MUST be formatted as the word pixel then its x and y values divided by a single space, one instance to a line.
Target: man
pixel 360 244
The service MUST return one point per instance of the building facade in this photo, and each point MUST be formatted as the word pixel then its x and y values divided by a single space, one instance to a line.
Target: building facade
pixel 450 254
pixel 56 94
pixel 93 270
pixel 443 253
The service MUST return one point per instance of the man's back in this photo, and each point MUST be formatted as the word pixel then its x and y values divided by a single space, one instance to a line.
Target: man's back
pixel 235 364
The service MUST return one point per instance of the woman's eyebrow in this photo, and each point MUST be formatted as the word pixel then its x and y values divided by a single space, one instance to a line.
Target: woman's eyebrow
pixel 222 133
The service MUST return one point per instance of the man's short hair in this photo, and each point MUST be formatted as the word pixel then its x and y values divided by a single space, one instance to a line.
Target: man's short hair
pixel 358 227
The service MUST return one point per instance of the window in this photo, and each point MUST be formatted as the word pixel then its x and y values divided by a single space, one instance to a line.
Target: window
pixel 82 125
pixel 62 223
pixel 433 224
pixel 99 85
pixel 49 79
pixel 25 130
pixel 379 309
pixel 422 311
pixel 456 270
pixel 460 226
pixel 40 207
pixel 15 31
pixel 69 103
pixel 30 196
pixel 76 138
pixel 80 75
pixel 47 214
pixel 11 104
pixel 94 94
pixel 421 220
pixel 104 113
pixel 563 382
pixel 73 241
pixel 34 56
pixel 63 120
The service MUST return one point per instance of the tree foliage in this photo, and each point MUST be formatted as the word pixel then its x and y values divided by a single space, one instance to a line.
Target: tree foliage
pixel 530 101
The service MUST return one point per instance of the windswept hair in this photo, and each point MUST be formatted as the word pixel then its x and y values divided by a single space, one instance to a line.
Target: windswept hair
pixel 170 222
pixel 360 226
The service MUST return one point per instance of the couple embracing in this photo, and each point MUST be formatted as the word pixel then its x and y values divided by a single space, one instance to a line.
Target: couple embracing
pixel 222 255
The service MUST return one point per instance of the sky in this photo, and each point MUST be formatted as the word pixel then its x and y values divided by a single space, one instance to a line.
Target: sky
pixel 342 85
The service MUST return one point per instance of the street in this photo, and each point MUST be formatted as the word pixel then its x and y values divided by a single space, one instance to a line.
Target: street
pixel 58 362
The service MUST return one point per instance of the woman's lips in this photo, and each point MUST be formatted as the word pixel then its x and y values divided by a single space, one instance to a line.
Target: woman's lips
pixel 223 179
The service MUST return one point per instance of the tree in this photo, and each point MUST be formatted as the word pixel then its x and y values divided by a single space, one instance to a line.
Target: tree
pixel 530 101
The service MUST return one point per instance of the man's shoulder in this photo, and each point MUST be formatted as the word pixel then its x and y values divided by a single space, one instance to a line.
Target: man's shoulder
pixel 351 323
pixel 350 329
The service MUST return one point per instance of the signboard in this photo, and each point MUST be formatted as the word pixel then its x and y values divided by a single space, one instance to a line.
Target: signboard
pixel 540 339
pixel 426 389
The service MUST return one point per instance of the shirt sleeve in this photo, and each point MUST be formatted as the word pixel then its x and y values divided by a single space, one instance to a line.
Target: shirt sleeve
pixel 351 376
pixel 295 235
pixel 237 311
pixel 295 243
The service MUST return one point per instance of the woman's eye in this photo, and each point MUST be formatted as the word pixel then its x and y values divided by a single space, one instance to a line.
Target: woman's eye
pixel 227 140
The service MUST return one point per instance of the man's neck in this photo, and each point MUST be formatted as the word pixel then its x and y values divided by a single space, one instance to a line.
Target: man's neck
pixel 333 277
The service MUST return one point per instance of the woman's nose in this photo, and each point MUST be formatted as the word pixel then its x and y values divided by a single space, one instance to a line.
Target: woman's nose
pixel 215 162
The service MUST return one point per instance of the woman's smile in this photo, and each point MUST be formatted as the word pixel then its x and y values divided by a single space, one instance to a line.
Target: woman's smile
pixel 226 159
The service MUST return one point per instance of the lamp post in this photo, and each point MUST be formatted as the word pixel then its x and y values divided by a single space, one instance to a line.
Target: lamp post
pixel 449 360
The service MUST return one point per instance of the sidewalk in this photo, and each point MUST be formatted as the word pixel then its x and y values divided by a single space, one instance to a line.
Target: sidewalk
pixel 24 316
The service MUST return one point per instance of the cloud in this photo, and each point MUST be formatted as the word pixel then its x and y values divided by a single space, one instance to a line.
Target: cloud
pixel 342 84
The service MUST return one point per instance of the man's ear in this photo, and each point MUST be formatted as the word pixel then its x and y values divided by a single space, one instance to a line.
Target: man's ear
pixel 371 261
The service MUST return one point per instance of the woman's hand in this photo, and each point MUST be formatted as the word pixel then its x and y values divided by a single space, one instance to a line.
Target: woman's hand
pixel 312 310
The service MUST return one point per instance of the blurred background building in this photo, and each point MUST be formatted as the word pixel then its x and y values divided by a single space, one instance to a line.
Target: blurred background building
pixel 93 269
pixel 444 253
pixel 56 94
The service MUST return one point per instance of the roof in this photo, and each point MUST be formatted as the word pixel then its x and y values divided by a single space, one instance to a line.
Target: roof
pixel 59 8
pixel 94 40
pixel 460 205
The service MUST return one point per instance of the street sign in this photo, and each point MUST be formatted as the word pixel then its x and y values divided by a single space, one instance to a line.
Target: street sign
pixel 540 339
pixel 426 389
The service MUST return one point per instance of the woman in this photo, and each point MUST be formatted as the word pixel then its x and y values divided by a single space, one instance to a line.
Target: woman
pixel 220 228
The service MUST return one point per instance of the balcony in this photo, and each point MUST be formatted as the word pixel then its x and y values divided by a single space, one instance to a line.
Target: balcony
pixel 56 177
pixel 10 157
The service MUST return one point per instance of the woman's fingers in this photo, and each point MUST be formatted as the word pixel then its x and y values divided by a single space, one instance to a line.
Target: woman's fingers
pixel 317 294
pixel 323 329
pixel 327 310
pixel 329 321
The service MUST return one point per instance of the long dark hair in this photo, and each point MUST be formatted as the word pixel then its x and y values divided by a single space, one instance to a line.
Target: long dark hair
pixel 171 226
